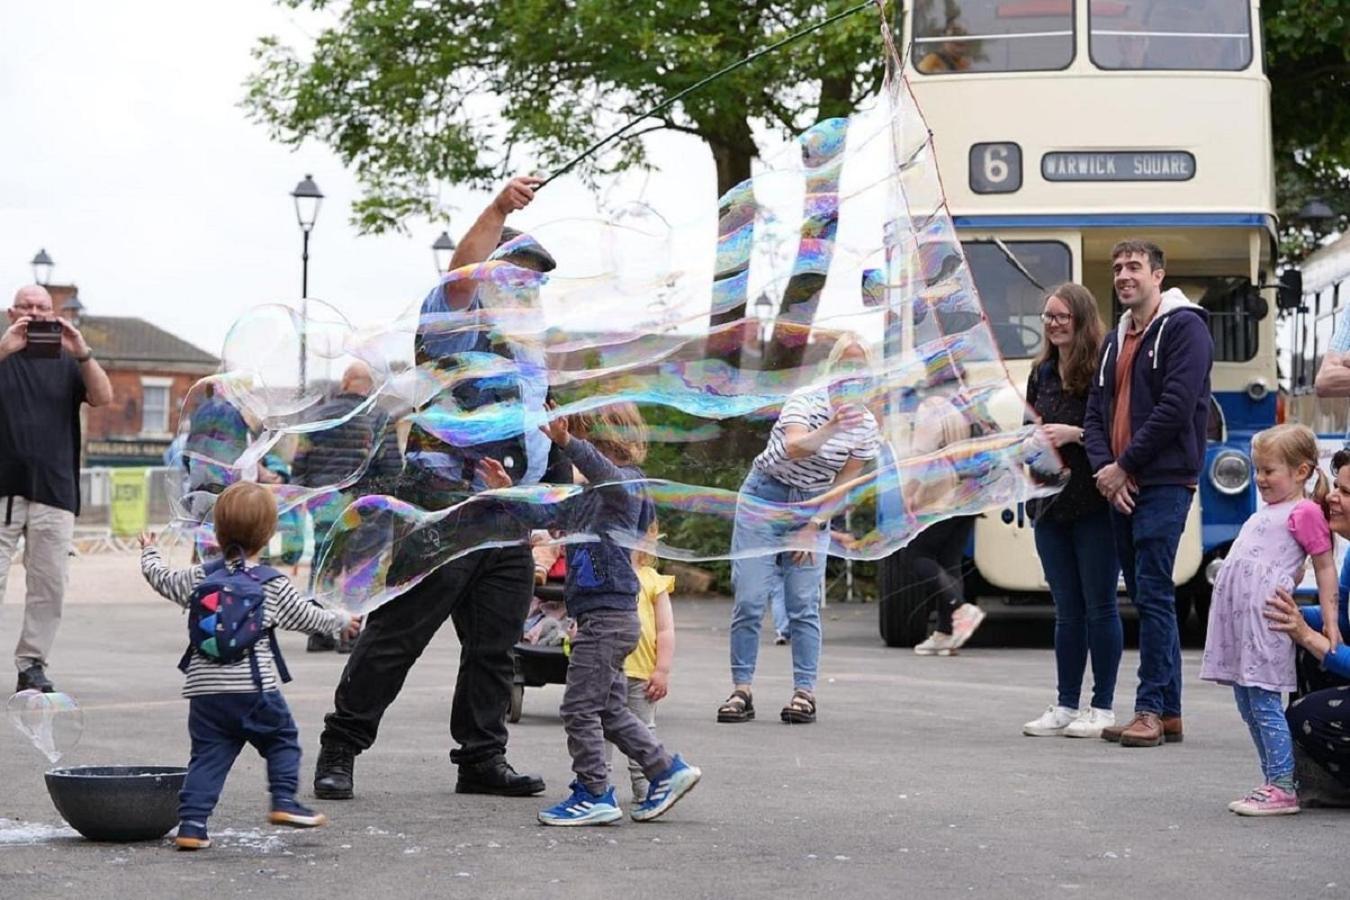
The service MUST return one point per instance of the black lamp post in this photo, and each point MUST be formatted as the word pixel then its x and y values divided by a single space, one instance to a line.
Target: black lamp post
pixel 443 250
pixel 1317 215
pixel 42 268
pixel 308 198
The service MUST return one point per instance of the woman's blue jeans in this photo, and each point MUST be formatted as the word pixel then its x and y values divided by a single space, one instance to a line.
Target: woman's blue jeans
pixel 756 577
pixel 1079 559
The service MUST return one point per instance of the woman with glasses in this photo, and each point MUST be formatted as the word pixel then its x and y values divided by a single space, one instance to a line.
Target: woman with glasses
pixel 1073 527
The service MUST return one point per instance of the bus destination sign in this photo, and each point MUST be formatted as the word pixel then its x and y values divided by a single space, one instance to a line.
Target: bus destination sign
pixel 1119 165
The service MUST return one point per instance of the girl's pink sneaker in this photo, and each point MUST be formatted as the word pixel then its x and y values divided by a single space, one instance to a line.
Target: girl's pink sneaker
pixel 1267 800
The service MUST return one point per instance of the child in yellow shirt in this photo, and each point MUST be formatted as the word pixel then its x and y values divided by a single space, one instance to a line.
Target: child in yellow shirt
pixel 648 666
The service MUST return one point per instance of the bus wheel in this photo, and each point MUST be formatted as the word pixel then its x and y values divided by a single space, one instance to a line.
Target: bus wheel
pixel 904 606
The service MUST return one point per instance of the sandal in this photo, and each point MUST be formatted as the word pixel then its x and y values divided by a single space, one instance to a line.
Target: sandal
pixel 738 708
pixel 801 709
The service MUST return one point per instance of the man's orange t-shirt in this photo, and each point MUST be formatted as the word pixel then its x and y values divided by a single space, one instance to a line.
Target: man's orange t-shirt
pixel 1121 432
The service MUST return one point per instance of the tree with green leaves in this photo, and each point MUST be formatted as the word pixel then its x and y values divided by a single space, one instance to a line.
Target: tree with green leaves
pixel 1308 61
pixel 399 88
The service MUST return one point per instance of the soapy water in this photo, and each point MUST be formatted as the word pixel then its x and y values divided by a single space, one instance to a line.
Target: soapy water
pixel 52 722
pixel 710 324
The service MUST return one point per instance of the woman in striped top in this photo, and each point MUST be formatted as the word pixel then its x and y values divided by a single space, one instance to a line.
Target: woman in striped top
pixel 819 440
pixel 227 706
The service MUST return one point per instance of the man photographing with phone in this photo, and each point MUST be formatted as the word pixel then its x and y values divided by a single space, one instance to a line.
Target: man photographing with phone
pixel 46 371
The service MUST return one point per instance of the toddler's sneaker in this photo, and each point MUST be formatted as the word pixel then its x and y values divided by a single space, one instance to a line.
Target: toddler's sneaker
pixel 1090 723
pixel 583 808
pixel 965 619
pixel 1267 800
pixel 192 836
pixel 666 789
pixel 289 812
pixel 937 644
pixel 1052 723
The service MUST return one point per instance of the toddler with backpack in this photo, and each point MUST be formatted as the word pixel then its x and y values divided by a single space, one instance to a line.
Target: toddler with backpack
pixel 233 665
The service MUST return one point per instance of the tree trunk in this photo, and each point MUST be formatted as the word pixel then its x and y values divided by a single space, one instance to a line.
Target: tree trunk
pixel 733 167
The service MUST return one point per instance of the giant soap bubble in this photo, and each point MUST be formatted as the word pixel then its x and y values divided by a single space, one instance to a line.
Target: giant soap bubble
pixel 709 318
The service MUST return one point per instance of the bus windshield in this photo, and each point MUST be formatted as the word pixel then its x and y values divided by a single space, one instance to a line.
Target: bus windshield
pixel 1206 35
pixel 1012 289
pixel 992 35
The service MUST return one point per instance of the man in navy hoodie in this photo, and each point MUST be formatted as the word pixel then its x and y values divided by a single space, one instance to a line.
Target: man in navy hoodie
pixel 1145 438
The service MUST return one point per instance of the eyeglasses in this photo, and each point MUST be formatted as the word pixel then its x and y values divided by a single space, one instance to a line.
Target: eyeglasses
pixel 1056 318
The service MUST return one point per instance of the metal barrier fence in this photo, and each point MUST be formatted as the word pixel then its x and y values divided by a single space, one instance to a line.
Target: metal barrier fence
pixel 96 495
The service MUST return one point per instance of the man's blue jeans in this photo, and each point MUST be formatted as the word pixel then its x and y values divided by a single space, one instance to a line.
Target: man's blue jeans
pixel 1146 542
pixel 1079 559
pixel 756 578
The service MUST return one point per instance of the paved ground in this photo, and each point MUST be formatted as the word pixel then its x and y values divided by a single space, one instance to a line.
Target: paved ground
pixel 915 782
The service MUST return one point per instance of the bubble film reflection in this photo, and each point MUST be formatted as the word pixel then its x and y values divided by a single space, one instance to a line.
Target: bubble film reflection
pixel 710 323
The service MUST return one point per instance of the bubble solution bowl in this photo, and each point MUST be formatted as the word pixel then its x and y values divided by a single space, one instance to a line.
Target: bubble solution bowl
pixel 118 803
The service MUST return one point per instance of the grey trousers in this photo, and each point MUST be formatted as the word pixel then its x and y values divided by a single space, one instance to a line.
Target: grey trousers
pixel 595 702
pixel 47 533
pixel 645 710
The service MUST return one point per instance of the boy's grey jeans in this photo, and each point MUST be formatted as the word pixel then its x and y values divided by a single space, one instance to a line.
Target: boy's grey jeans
pixel 595 703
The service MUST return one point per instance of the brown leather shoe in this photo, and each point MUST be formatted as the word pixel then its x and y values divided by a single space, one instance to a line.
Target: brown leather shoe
pixel 1172 732
pixel 1145 731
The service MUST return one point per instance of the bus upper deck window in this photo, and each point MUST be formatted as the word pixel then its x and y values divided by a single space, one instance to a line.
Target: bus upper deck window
pixel 953 36
pixel 1201 35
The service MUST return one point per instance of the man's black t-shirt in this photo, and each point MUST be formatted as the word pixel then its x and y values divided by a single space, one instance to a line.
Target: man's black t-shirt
pixel 40 430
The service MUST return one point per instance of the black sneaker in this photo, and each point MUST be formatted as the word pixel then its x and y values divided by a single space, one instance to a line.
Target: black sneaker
pixel 34 678
pixel 497 777
pixel 321 643
pixel 333 772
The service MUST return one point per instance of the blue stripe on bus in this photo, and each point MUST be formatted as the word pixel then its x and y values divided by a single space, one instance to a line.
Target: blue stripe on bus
pixel 1119 220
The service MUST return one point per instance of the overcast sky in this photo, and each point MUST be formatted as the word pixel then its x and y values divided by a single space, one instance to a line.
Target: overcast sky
pixel 125 155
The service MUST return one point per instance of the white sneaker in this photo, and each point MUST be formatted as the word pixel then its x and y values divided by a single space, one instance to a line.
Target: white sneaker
pixel 1052 722
pixel 965 619
pixel 938 644
pixel 1090 723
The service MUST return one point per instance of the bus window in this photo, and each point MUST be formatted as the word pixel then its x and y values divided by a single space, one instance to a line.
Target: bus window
pixel 1235 310
pixel 1012 301
pixel 992 35
pixel 1207 35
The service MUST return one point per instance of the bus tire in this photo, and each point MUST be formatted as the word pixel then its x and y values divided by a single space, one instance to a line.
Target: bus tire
pixel 904 608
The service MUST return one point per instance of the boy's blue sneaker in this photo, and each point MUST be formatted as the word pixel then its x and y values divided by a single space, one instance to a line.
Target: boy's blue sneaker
pixel 192 836
pixel 583 808
pixel 666 789
pixel 289 812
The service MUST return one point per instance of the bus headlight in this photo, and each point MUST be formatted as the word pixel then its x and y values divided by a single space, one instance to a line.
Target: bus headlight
pixel 1231 472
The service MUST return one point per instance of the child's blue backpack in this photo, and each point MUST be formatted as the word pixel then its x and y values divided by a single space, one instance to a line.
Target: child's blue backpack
pixel 227 616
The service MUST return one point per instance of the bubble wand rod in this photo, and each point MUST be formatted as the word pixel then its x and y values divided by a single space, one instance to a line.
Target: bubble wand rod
pixel 671 101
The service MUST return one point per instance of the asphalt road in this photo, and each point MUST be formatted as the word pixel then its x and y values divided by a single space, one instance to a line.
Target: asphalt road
pixel 916 781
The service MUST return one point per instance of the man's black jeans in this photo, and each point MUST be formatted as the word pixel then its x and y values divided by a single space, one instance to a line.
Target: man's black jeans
pixel 486 594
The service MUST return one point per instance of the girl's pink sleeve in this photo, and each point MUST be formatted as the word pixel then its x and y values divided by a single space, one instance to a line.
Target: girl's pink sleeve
pixel 1310 528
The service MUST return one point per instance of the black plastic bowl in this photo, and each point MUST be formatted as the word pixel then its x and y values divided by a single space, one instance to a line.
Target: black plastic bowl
pixel 118 803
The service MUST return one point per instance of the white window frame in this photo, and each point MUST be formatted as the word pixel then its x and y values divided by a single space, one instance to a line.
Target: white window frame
pixel 156 381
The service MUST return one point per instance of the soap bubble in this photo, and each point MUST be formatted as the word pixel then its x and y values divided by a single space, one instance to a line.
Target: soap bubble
pixel 711 317
pixel 52 722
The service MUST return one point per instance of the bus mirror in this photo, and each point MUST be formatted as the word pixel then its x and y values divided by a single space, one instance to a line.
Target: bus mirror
pixel 1289 294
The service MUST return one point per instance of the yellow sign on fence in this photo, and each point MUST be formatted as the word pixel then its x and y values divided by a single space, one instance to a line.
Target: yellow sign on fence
pixel 130 502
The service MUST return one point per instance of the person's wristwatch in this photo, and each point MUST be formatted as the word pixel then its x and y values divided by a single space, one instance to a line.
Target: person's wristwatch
pixel 88 355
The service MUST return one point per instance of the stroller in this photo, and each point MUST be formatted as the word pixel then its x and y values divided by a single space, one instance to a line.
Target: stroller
pixel 540 656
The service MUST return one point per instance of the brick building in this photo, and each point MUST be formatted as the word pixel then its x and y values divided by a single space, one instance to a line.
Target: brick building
pixel 151 372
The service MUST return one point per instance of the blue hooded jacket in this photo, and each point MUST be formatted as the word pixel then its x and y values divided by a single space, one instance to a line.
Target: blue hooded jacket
pixel 1169 396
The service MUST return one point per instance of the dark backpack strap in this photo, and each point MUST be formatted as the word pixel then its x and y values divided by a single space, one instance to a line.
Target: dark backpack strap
pixel 186 660
pixel 213 566
pixel 255 669
pixel 277 658
pixel 264 574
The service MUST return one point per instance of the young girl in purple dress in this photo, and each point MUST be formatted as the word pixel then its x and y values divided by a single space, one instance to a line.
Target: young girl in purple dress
pixel 1240 648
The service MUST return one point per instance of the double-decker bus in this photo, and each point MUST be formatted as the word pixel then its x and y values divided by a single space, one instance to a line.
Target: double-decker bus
pixel 1062 127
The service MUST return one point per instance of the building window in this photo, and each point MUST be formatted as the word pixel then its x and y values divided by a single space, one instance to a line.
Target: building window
pixel 155 405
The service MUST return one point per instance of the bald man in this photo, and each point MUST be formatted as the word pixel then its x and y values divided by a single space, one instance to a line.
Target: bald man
pixel 40 467
pixel 359 440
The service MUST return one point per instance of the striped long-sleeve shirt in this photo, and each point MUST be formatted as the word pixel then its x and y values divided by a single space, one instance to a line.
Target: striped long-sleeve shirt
pixel 283 608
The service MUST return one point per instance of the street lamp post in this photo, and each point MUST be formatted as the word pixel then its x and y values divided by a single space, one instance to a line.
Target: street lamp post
pixel 42 268
pixel 308 198
pixel 443 250
pixel 764 313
